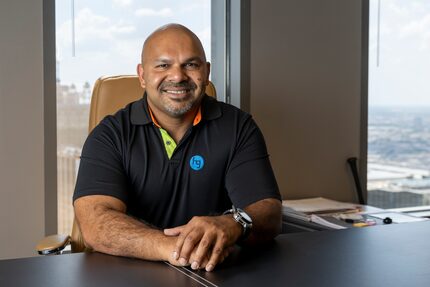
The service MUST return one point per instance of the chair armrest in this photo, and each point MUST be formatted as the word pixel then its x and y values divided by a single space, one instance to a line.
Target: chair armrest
pixel 52 244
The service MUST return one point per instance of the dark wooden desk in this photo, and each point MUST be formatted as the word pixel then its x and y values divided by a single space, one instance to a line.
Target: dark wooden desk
pixel 392 255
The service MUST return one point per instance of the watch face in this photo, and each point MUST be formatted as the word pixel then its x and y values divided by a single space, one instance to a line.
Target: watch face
pixel 245 216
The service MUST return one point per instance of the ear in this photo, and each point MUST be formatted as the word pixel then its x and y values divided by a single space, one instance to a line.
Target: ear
pixel 208 67
pixel 139 69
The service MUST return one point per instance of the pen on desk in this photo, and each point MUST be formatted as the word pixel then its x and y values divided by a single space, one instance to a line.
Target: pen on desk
pixel 364 223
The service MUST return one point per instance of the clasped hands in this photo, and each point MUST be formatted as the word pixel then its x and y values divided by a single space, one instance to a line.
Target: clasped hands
pixel 204 241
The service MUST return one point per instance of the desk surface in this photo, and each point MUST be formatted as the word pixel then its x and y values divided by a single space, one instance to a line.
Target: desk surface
pixel 392 255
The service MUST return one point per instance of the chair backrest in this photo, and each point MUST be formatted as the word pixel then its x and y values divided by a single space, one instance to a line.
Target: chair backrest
pixel 111 94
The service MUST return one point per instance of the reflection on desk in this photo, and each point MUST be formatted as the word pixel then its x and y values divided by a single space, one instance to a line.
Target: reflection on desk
pixel 390 255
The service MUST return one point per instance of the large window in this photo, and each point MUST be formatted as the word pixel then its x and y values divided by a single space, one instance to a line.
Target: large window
pixel 399 103
pixel 96 38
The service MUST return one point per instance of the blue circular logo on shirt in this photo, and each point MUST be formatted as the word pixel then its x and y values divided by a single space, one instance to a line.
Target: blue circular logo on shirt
pixel 197 162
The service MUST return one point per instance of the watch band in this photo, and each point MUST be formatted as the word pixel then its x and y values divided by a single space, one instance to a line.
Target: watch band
pixel 241 217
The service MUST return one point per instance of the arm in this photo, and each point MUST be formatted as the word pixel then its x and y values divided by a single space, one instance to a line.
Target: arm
pixel 106 228
pixel 266 218
pixel 100 196
pixel 213 236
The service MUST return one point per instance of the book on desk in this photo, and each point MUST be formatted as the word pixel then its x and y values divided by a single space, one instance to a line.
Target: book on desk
pixel 319 213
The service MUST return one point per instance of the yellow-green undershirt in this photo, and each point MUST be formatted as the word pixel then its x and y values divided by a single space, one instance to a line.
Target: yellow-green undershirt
pixel 169 143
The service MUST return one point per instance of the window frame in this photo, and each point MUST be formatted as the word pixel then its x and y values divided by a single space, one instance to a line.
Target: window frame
pixel 50 117
pixel 421 211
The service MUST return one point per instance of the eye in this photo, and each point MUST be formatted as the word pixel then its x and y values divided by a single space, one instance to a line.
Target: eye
pixel 161 66
pixel 192 65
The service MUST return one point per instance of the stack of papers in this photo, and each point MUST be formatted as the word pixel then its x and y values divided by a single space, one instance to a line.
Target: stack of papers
pixel 331 214
pixel 327 221
pixel 289 212
pixel 320 205
pixel 311 209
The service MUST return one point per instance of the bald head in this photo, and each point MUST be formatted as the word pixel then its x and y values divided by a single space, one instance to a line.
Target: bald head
pixel 174 72
pixel 170 32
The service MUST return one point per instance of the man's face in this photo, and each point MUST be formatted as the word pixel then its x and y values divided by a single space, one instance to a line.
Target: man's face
pixel 174 73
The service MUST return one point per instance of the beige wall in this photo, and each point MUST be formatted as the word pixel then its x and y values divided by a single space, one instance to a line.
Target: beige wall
pixel 305 91
pixel 21 127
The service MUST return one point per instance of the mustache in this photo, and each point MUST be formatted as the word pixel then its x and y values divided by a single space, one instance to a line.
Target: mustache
pixel 185 84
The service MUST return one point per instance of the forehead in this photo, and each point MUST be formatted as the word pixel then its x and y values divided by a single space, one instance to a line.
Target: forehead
pixel 173 43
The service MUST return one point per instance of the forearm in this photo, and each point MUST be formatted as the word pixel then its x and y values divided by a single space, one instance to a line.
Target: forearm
pixel 111 231
pixel 119 234
pixel 266 220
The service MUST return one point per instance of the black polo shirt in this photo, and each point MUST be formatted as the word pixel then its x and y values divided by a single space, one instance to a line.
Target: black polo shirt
pixel 220 161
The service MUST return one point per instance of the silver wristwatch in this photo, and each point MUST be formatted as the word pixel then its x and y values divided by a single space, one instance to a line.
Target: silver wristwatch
pixel 241 217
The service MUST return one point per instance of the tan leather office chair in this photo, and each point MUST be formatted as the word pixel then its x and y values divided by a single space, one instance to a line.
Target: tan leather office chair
pixel 109 95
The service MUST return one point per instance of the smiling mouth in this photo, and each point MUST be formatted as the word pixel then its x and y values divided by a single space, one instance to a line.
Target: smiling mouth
pixel 176 92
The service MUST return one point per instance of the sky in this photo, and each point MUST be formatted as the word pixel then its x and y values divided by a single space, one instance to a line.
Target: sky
pixel 109 33
pixel 109 36
pixel 403 75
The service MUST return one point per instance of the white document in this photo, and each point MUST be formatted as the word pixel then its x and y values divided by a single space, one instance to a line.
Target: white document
pixel 397 217
pixel 319 205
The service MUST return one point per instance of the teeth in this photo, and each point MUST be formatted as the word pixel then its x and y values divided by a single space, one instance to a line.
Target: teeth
pixel 176 92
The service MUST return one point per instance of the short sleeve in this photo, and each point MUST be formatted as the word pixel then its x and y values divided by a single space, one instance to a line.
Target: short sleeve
pixel 101 169
pixel 250 177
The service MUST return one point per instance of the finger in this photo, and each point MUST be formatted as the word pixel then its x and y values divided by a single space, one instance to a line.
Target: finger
pixel 202 250
pixel 217 252
pixel 185 237
pixel 173 231
pixel 204 262
pixel 223 256
pixel 189 242
pixel 179 243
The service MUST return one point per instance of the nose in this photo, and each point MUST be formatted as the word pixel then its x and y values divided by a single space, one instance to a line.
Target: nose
pixel 177 74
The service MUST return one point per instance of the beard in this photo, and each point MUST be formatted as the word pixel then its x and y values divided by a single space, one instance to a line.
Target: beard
pixel 179 107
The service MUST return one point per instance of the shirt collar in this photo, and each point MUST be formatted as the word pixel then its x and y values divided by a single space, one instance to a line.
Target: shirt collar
pixel 210 109
pixel 197 118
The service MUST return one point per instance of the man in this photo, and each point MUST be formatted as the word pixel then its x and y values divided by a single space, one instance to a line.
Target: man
pixel 176 160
